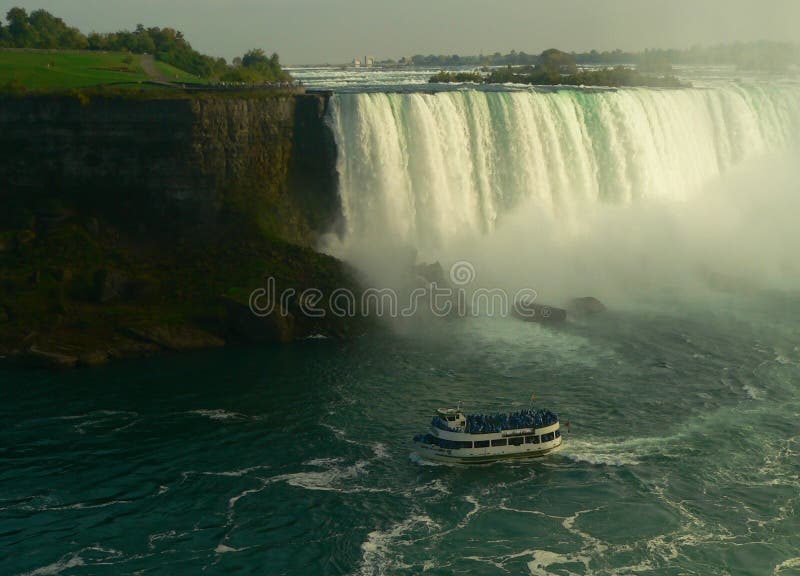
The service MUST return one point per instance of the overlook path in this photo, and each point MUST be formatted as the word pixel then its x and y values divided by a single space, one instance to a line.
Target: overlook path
pixel 149 66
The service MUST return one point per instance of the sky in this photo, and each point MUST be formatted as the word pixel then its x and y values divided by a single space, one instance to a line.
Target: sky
pixel 336 31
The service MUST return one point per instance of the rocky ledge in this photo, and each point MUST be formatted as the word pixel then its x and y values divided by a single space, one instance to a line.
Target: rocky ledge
pixel 133 227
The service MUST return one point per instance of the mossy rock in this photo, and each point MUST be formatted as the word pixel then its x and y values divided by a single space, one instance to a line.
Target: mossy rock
pixel 24 238
pixel 92 359
pixel 49 359
pixel 182 337
pixel 6 241
pixel 110 286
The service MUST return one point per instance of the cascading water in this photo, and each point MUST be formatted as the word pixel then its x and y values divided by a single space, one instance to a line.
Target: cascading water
pixel 423 169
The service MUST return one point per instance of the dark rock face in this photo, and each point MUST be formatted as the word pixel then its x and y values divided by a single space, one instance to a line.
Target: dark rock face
pixel 111 285
pixel 541 313
pixel 312 171
pixel 176 337
pixel 587 305
pixel 92 359
pixel 432 273
pixel 172 168
pixel 247 327
pixel 50 359
pixel 123 220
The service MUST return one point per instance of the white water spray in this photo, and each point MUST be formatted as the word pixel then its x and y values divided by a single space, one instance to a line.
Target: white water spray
pixel 438 172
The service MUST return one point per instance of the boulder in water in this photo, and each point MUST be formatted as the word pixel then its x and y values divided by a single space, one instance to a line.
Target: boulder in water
pixel 541 313
pixel 587 305
pixel 175 337
pixel 247 327
pixel 432 273
pixel 110 286
pixel 50 359
pixel 91 359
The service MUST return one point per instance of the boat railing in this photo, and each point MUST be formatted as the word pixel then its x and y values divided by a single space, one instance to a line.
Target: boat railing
pixel 496 423
pixel 442 425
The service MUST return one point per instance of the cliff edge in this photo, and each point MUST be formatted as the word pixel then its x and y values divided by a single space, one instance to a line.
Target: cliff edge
pixel 132 226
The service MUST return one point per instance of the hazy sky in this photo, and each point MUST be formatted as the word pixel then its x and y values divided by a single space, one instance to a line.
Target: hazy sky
pixel 317 31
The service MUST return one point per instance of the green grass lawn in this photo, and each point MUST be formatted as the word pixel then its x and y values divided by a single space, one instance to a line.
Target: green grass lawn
pixel 172 74
pixel 53 71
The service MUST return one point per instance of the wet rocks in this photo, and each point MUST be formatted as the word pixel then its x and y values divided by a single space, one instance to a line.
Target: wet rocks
pixel 541 313
pixel 432 273
pixel 251 328
pixel 110 286
pixel 586 305
pixel 92 359
pixel 176 337
pixel 49 359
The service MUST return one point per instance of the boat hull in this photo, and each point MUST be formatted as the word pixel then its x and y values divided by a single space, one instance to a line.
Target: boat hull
pixel 434 454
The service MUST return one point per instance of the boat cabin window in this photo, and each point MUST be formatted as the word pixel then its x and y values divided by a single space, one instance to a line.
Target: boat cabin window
pixel 501 442
pixel 558 433
pixel 531 439
pixel 515 441
pixel 481 444
pixel 548 437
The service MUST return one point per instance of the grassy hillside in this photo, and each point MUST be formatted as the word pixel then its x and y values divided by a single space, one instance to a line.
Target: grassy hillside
pixel 50 71
pixel 172 74
pixel 44 31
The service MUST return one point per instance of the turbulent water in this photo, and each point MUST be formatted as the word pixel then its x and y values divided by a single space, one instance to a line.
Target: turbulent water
pixel 677 208
pixel 684 454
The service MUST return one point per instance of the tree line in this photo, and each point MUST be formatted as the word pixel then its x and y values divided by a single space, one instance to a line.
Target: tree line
pixel 745 55
pixel 42 30
pixel 555 67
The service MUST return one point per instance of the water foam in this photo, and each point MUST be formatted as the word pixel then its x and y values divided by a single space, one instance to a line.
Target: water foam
pixel 377 555
pixel 89 556
pixel 219 414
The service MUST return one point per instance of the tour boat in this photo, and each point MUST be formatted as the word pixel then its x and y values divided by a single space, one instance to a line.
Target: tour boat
pixel 477 438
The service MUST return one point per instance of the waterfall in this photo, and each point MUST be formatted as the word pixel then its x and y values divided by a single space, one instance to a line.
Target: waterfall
pixel 422 169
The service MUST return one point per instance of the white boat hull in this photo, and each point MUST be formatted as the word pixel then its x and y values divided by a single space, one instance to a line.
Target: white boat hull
pixel 482 455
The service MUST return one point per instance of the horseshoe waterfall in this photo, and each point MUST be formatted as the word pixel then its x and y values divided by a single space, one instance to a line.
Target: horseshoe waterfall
pixel 425 168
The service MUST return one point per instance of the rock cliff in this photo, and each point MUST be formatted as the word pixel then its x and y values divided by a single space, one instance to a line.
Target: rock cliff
pixel 133 225
pixel 173 167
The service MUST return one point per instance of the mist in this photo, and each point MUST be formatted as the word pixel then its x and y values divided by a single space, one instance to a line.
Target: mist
pixel 738 234
pixel 618 195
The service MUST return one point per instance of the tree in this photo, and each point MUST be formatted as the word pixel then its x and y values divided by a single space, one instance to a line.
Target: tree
pixel 72 38
pixel 46 28
pixel 255 67
pixel 255 58
pixel 555 61
pixel 52 32
pixel 97 41
pixel 19 29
